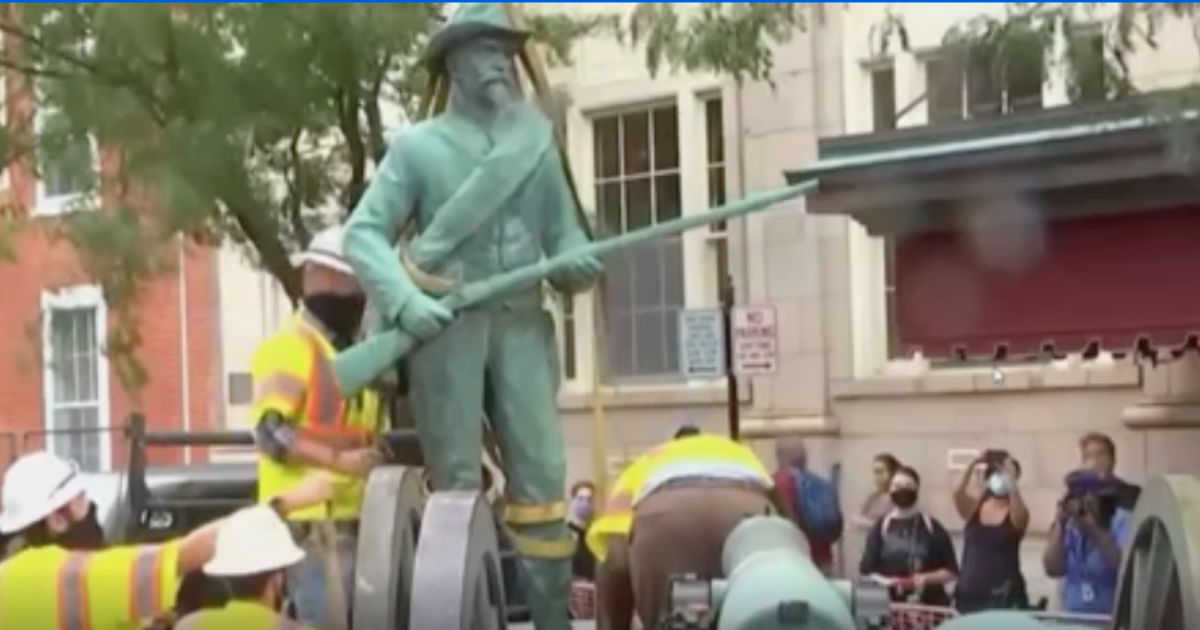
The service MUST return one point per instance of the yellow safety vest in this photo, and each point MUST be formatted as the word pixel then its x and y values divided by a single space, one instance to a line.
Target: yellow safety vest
pixel 692 453
pixel 293 376
pixel 238 615
pixel 121 588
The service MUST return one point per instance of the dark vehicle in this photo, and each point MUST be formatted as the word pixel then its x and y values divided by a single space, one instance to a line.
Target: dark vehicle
pixel 152 504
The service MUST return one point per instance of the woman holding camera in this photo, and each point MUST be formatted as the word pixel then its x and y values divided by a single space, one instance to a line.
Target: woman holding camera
pixel 1085 543
pixel 909 551
pixel 989 500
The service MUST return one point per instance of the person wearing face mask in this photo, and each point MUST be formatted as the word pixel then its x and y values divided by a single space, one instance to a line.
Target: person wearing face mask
pixel 302 423
pixel 909 551
pixel 989 500
pixel 579 518
pixel 254 551
pixel 64 577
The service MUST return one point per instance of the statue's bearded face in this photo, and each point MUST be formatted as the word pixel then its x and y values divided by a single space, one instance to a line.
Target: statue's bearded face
pixel 483 69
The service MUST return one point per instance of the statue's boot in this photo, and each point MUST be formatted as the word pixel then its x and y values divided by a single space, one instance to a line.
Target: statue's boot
pixel 545 552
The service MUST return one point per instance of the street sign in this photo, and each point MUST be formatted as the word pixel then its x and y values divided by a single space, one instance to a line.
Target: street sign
pixel 755 341
pixel 702 343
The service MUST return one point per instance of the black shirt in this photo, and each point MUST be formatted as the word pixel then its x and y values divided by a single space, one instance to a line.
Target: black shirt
pixel 991 568
pixel 908 546
pixel 583 564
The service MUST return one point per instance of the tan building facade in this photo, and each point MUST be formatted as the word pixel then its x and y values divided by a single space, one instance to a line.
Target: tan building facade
pixel 828 280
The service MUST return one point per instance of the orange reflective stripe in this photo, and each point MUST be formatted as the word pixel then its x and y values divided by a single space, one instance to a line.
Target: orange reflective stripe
pixel 73 606
pixel 324 400
pixel 145 587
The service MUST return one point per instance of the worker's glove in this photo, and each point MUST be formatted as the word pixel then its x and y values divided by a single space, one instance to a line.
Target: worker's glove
pixel 578 274
pixel 424 317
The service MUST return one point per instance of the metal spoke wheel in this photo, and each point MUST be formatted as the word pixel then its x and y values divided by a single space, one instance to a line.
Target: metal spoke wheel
pixel 458 583
pixel 389 524
pixel 1159 587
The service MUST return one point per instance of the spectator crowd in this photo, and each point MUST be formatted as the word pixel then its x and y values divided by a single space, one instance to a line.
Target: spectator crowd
pixel 912 553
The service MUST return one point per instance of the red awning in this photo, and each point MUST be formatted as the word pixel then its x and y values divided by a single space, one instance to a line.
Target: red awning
pixel 1120 283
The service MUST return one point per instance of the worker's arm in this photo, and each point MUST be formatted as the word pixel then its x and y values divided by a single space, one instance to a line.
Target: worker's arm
pixel 279 370
pixel 191 552
pixel 374 227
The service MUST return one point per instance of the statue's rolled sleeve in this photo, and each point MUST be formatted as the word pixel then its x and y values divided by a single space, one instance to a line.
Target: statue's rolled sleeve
pixel 373 229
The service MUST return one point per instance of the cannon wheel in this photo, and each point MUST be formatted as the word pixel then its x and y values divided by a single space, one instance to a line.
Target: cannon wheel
pixel 1160 575
pixel 387 546
pixel 458 585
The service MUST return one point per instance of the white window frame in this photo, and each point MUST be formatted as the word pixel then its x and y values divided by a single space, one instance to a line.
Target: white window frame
pixel 55 205
pixel 70 298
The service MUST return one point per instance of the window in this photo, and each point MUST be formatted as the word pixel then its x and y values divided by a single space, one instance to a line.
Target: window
pixel 975 84
pixel 637 185
pixel 68 159
pixel 569 357
pixel 1088 79
pixel 239 388
pixel 883 98
pixel 75 381
pixel 714 125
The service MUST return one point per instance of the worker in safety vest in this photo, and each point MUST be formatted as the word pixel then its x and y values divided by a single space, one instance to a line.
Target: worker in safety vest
pixel 683 498
pixel 301 423
pixel 53 584
pixel 254 550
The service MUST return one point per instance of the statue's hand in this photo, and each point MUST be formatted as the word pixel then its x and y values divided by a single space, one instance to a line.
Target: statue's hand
pixel 424 317
pixel 578 274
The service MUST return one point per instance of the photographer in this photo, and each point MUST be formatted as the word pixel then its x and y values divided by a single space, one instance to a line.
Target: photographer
pixel 988 499
pixel 1085 543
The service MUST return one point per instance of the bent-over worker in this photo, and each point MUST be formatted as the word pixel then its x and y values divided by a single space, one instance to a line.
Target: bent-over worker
pixel 669 513
pixel 302 423
pixel 254 549
pixel 54 584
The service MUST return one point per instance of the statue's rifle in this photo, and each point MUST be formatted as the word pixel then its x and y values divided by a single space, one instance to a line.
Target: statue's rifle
pixel 358 366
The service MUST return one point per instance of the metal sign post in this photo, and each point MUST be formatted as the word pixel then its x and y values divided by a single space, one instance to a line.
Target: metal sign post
pixel 732 395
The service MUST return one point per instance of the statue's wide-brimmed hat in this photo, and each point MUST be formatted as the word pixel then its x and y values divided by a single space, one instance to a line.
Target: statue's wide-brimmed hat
pixel 472 20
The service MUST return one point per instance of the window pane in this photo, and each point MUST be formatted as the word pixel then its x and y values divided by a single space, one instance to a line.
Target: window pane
pixel 647 277
pixel 568 349
pixel 76 435
pixel 985 96
pixel 606 139
pixel 666 139
pixel 671 262
pixel 608 200
pixel 715 126
pixel 667 197
pixel 716 190
pixel 618 282
pixel 650 347
pixel 883 98
pixel 639 204
pixel 620 345
pixel 69 170
pixel 944 86
pixel 635 136
pixel 671 342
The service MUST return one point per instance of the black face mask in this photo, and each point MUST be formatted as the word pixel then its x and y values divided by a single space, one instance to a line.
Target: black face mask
pixel 904 499
pixel 340 314
pixel 86 534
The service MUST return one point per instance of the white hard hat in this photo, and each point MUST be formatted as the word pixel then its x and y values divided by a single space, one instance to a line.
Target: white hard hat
pixel 36 486
pixel 326 250
pixel 253 540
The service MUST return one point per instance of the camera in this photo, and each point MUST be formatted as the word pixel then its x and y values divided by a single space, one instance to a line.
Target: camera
pixel 1090 496
pixel 993 461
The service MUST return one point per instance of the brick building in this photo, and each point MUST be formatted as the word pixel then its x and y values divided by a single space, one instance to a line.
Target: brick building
pixel 57 387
